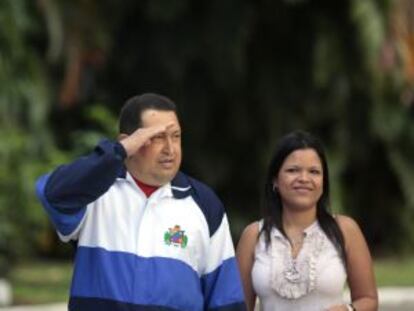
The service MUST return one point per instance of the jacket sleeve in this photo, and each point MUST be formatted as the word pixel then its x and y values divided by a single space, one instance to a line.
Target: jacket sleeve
pixel 66 192
pixel 222 283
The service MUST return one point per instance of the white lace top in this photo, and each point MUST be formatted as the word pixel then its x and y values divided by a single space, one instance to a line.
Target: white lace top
pixel 313 281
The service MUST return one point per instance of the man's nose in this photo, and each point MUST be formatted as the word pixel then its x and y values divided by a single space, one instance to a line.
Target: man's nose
pixel 168 145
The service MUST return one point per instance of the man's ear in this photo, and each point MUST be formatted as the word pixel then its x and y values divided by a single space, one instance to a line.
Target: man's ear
pixel 122 136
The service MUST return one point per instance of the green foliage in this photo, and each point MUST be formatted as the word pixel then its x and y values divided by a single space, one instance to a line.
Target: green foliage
pixel 104 126
pixel 242 73
pixel 26 150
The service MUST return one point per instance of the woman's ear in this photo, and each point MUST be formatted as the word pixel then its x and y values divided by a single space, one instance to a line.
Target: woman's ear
pixel 274 187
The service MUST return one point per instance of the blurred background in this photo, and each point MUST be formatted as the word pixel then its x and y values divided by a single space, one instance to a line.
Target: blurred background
pixel 243 73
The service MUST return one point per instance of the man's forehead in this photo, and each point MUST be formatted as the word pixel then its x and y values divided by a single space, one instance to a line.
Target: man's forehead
pixel 151 117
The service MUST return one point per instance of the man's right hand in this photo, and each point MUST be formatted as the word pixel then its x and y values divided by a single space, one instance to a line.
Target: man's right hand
pixel 141 137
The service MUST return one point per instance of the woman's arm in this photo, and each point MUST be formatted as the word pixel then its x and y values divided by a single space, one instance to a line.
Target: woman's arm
pixel 245 258
pixel 361 280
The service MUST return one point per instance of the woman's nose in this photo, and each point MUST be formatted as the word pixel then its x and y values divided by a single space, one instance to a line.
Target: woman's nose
pixel 303 176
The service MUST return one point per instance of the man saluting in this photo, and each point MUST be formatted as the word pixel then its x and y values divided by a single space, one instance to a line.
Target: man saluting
pixel 149 237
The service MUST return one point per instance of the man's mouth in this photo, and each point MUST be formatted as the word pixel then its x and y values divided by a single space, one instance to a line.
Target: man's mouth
pixel 167 162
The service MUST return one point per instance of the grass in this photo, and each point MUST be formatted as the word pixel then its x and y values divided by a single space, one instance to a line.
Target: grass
pixel 394 271
pixel 41 282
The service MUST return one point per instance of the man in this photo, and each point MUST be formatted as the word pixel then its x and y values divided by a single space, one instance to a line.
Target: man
pixel 148 236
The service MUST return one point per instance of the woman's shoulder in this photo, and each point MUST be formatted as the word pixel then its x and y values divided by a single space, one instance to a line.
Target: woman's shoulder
pixel 345 222
pixel 348 225
pixel 248 239
pixel 252 230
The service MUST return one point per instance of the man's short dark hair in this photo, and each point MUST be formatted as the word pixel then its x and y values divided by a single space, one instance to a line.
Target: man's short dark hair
pixel 131 112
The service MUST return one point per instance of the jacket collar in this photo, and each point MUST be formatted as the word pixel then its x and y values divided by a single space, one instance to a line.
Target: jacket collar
pixel 180 185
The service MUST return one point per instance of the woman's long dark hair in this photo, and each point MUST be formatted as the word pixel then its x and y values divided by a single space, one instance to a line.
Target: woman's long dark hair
pixel 273 208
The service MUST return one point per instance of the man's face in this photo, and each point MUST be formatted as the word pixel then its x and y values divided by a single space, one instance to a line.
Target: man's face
pixel 157 163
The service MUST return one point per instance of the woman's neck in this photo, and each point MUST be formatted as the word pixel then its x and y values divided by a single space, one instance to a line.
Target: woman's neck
pixel 298 219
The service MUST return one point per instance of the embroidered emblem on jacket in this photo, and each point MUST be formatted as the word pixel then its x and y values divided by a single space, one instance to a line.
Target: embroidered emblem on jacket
pixel 175 236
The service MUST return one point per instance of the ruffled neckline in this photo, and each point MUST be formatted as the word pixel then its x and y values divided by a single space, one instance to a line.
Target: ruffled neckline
pixel 308 230
pixel 298 275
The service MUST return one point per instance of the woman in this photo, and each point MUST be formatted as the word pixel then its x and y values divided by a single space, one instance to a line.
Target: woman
pixel 299 256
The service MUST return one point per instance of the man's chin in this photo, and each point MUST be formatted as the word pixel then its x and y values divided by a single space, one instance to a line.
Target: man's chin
pixel 163 179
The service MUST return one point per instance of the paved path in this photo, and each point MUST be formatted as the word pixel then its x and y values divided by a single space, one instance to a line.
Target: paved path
pixel 396 299
pixel 391 299
pixel 51 307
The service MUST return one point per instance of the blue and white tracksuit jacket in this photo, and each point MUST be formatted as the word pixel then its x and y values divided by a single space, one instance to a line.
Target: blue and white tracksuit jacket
pixel 171 251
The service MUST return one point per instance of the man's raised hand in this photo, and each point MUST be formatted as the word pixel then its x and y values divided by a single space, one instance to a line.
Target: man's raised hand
pixel 141 137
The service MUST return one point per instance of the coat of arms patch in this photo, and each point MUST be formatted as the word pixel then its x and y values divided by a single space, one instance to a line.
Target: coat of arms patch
pixel 176 237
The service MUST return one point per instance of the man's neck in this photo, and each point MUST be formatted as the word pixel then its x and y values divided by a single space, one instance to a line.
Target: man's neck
pixel 147 189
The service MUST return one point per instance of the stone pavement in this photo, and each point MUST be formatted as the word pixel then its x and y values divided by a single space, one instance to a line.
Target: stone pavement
pixel 391 299
pixel 51 307
pixel 396 299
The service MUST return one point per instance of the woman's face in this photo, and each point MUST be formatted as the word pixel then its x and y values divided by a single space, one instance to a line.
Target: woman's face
pixel 300 179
